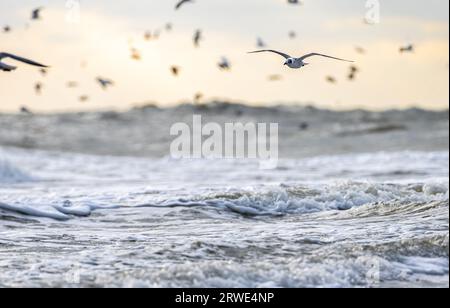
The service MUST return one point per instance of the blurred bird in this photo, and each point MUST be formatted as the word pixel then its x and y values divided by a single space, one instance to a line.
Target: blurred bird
pixel 6 29
pixel 197 38
pixel 148 35
pixel 292 35
pixel 408 48
pixel 331 79
pixel 36 13
pixel 198 97
pixel 83 98
pixel 8 68
pixel 275 77
pixel 260 43
pixel 353 71
pixel 72 84
pixel 360 50
pixel 182 3
pixel 296 63
pixel 105 83
pixel 43 72
pixel 297 2
pixel 175 70
pixel 135 54
pixel 38 88
pixel 224 64
pixel 25 110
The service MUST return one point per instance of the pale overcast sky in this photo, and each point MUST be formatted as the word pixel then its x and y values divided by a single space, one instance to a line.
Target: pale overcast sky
pixel 107 29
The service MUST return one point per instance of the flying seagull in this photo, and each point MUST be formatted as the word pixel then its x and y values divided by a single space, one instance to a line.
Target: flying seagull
pixel 408 48
pixel 181 3
pixel 296 63
pixel 8 68
pixel 105 83
pixel 36 13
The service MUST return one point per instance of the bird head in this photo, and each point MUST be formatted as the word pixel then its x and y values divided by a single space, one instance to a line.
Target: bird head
pixel 289 61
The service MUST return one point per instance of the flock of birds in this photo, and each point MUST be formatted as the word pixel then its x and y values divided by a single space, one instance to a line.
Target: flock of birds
pixel 224 64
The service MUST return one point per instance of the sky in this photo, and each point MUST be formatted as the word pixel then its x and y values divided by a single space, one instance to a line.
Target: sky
pixel 95 41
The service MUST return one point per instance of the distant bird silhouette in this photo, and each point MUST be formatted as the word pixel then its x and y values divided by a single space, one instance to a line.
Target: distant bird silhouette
pixel 105 83
pixel 260 43
pixel 38 88
pixel 406 49
pixel 72 84
pixel 83 98
pixel 175 70
pixel 353 71
pixel 331 79
pixel 135 54
pixel 275 77
pixel 198 36
pixel 224 64
pixel 360 50
pixel 25 110
pixel 36 13
pixel 198 97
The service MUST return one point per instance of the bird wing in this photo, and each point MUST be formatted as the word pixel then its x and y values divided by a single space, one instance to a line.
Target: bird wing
pixel 20 59
pixel 286 56
pixel 321 55
pixel 180 4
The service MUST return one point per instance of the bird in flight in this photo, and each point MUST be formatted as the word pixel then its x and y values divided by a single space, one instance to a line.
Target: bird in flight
pixel 105 83
pixel 8 68
pixel 36 13
pixel 408 48
pixel 181 3
pixel 297 63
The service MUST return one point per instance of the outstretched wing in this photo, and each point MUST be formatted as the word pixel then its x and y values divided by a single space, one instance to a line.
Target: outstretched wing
pixel 322 55
pixel 181 3
pixel 20 59
pixel 286 56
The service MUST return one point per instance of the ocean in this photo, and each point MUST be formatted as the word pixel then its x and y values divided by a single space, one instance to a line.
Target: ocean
pixel 94 199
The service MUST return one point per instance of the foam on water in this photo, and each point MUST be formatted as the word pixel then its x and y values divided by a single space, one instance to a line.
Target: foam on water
pixel 88 220
pixel 10 174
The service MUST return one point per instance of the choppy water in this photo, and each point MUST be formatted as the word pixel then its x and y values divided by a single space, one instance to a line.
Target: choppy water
pixel 359 218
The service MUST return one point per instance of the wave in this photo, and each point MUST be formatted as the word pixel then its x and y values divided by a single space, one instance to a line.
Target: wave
pixel 306 200
pixel 11 174
pixel 304 131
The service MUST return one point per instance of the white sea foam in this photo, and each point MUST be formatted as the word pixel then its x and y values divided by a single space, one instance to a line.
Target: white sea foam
pixel 324 221
pixel 11 174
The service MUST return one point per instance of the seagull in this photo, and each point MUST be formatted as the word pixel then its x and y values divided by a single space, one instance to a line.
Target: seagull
pixel 260 43
pixel 8 68
pixel 353 71
pixel 175 70
pixel 83 98
pixel 408 48
pixel 197 38
pixel 331 79
pixel 105 83
pixel 275 77
pixel 224 64
pixel 297 63
pixel 181 3
pixel 72 84
pixel 38 88
pixel 36 13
